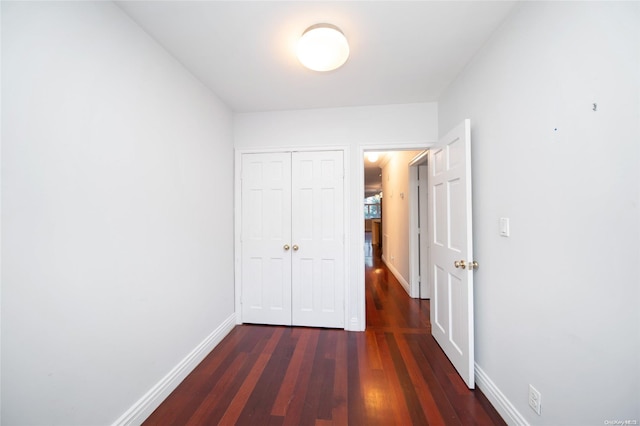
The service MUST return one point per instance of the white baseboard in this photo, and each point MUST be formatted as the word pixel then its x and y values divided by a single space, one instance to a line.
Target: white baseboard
pixel 139 412
pixel 500 402
pixel 398 276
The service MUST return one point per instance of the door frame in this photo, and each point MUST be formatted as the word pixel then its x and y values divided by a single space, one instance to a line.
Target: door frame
pixel 360 301
pixel 414 242
pixel 237 219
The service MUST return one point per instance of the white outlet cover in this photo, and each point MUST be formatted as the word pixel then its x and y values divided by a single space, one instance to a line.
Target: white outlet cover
pixel 535 400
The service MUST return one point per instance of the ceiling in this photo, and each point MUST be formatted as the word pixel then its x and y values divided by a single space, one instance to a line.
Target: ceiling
pixel 401 52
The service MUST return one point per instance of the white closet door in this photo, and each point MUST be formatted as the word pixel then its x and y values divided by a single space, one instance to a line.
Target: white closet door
pixel 318 239
pixel 266 234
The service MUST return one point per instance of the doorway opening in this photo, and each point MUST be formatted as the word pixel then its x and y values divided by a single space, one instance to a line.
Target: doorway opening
pixel 451 262
pixel 395 209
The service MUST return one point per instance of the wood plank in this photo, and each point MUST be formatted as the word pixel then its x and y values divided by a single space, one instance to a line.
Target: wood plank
pixel 258 406
pixel 285 393
pixel 447 411
pixel 215 399
pixel 413 402
pixel 394 395
pixel 325 369
pixel 298 397
pixel 240 399
pixel 355 401
pixel 340 382
pixel 427 403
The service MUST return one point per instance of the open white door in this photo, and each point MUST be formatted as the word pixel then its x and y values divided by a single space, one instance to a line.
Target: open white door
pixel 451 265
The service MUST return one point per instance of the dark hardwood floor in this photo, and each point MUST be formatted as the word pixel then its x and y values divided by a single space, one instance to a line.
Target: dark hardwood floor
pixel 392 374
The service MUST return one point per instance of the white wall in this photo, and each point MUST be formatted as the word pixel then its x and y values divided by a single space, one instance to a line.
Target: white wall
pixel 356 129
pixel 116 187
pixel 395 219
pixel 557 302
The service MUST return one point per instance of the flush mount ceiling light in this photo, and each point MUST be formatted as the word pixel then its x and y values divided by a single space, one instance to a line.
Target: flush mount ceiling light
pixel 323 47
pixel 372 157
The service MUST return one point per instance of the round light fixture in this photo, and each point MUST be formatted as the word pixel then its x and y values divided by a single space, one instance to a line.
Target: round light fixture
pixel 323 47
pixel 372 157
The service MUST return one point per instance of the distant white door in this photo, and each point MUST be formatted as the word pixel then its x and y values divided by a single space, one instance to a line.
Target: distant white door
pixel 423 237
pixel 293 238
pixel 266 238
pixel 451 265
pixel 318 239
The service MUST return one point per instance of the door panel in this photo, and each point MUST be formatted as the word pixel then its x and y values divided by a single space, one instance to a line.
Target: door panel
pixel 318 232
pixel 440 308
pixel 266 229
pixel 438 206
pixel 451 242
pixel 455 194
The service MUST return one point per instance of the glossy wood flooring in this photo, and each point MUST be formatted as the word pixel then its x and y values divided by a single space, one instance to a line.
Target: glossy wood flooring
pixel 392 374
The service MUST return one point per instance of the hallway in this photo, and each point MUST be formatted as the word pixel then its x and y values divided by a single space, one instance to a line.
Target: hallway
pixel 392 374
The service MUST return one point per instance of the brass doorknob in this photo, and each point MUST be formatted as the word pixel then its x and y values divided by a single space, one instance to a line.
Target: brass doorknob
pixel 286 247
pixel 460 264
pixel 473 265
pixel 295 247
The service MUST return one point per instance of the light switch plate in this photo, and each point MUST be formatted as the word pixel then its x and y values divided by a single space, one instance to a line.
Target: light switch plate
pixel 504 226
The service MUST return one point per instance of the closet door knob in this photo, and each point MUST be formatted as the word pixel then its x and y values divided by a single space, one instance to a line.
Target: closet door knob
pixel 295 247
pixel 286 247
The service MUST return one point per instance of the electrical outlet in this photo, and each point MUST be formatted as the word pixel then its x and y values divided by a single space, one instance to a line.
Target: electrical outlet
pixel 534 399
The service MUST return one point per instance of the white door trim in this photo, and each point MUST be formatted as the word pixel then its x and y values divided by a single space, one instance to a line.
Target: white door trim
pixel 237 220
pixel 414 260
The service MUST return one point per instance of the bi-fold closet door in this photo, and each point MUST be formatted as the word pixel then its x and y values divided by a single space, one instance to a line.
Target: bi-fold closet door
pixel 292 237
